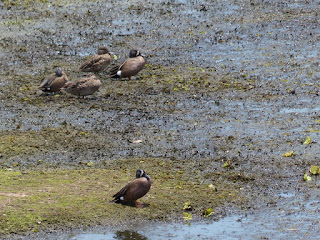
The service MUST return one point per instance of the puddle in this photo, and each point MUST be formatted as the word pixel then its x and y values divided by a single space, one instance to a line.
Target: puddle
pixel 226 228
pixel 284 220
pixel 300 110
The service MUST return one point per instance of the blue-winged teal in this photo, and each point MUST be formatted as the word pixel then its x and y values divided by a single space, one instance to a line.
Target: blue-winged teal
pixel 54 82
pixel 130 67
pixel 134 190
pixel 98 62
pixel 83 87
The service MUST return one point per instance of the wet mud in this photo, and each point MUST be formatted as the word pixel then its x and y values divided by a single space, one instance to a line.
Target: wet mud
pixel 227 85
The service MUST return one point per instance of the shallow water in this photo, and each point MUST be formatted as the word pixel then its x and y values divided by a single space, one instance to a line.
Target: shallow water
pixel 297 218
pixel 226 228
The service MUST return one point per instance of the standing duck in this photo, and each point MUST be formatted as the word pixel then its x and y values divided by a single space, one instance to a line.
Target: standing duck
pixel 130 67
pixel 83 87
pixel 134 190
pixel 98 62
pixel 54 82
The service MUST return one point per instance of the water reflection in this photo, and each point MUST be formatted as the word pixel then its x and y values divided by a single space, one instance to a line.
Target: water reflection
pixel 129 235
pixel 109 235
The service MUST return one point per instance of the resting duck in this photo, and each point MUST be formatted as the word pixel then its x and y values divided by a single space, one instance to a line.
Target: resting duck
pixel 98 62
pixel 54 82
pixel 83 87
pixel 134 190
pixel 130 67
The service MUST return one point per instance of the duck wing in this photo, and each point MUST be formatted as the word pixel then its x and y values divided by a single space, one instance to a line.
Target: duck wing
pixel 93 63
pixel 47 82
pixel 115 69
pixel 121 193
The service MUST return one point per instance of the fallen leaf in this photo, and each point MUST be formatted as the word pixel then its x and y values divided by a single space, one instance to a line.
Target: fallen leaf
pixel 306 177
pixel 289 154
pixel 90 164
pixel 227 164
pixel 207 213
pixel 307 141
pixel 187 206
pixel 213 187
pixel 187 216
pixel 314 170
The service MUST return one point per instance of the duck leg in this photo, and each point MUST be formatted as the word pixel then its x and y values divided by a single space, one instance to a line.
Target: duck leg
pixel 138 205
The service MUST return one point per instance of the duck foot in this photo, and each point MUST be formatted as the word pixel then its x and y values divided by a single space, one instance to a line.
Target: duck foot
pixel 138 205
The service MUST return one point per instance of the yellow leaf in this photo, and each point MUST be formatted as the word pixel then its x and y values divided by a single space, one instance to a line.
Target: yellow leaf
pixel 289 154
pixel 227 164
pixel 313 169
pixel 308 140
pixel 187 216
pixel 207 213
pixel 306 177
pixel 90 164
pixel 187 206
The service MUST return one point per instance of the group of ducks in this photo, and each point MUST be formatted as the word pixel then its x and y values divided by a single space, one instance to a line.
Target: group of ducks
pixel 89 85
pixel 97 63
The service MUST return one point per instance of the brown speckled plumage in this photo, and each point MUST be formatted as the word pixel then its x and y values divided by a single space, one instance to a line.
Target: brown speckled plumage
pixel 83 87
pixel 98 62
pixel 54 82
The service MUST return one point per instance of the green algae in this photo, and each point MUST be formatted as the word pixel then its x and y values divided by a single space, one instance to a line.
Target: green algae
pixel 27 143
pixel 41 200
pixel 153 80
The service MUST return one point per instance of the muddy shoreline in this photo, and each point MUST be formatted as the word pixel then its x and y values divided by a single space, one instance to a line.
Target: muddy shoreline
pixel 226 82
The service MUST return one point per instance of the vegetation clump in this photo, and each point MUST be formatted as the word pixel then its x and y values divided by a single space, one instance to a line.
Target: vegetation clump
pixel 32 200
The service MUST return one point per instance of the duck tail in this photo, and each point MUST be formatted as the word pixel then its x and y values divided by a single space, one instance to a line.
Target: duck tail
pixel 114 72
pixel 116 200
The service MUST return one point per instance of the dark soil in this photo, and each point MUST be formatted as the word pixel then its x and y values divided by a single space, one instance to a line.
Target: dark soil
pixel 227 85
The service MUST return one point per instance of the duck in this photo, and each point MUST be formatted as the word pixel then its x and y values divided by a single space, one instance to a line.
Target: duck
pixel 98 62
pixel 130 67
pixel 134 190
pixel 84 86
pixel 54 82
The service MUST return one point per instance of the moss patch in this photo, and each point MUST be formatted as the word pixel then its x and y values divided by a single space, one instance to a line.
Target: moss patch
pixel 152 80
pixel 33 200
pixel 50 139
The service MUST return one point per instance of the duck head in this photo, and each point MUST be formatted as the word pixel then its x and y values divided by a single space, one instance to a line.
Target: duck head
pixel 134 53
pixel 58 72
pixel 102 50
pixel 141 173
